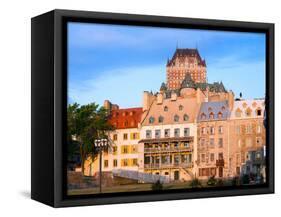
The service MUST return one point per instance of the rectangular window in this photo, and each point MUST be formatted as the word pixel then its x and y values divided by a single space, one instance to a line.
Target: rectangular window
pixel 134 148
pixel 105 163
pixel 203 130
pixel 134 162
pixel 124 149
pixel 212 130
pixel 237 130
pixel 212 142
pixel 157 134
pixel 186 132
pixel 148 134
pixel 186 144
pixel 114 150
pixel 220 142
pixel 124 162
pixel 125 136
pixel 134 136
pixel 115 164
pixel 114 137
pixel 220 129
pixel 177 132
pixel 203 158
pixel 167 132
pixel 212 157
pixel 220 156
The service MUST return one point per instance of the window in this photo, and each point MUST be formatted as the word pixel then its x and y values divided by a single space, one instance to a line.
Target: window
pixel 167 132
pixel 203 130
pixel 186 132
pixel 203 116
pixel 134 149
pixel 105 163
pixel 212 157
pixel 186 144
pixel 157 134
pixel 203 158
pixel 115 164
pixel 258 155
pixel 165 108
pixel 126 123
pixel 176 118
pixel 124 149
pixel 134 136
pixel 124 162
pixel 219 115
pixel 248 112
pixel 177 132
pixel 166 173
pixel 202 142
pixel 248 128
pixel 180 107
pixel 160 119
pixel 220 142
pixel 151 120
pixel 125 136
pixel 220 129
pixel 220 156
pixel 148 134
pixel 135 162
pixel 212 143
pixel 176 159
pixel 115 137
pixel 114 149
pixel 238 113
pixel 185 117
pixel 249 142
pixel 238 129
pixel 211 115
pixel 258 112
pixel 212 130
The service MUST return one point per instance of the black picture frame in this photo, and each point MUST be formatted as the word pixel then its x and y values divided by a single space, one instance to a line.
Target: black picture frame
pixel 49 100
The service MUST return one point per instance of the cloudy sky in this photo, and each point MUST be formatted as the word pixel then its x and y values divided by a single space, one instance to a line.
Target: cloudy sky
pixel 119 62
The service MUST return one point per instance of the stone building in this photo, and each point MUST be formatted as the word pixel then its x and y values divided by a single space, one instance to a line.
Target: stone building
pixel 183 62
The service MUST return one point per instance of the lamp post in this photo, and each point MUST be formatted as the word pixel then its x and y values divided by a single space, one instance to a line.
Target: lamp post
pixel 100 144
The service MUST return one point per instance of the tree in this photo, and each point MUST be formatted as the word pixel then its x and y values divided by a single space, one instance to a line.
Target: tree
pixel 85 124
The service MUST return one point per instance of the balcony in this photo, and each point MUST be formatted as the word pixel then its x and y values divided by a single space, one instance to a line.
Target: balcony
pixel 220 163
pixel 168 149
pixel 167 166
pixel 167 140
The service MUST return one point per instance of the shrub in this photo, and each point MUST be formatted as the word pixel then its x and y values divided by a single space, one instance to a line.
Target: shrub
pixel 212 181
pixel 195 183
pixel 157 186
pixel 235 181
pixel 220 183
pixel 246 179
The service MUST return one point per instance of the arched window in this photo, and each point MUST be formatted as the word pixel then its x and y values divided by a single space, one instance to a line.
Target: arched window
pixel 238 113
pixel 248 112
pixel 185 117
pixel 151 120
pixel 180 107
pixel 203 116
pixel 160 119
pixel 219 115
pixel 165 108
pixel 258 112
pixel 211 115
pixel 176 118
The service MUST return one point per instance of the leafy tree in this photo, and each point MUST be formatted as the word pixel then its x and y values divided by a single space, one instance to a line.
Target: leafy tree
pixel 85 124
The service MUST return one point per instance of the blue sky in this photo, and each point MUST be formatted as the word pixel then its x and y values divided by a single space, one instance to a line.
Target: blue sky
pixel 119 62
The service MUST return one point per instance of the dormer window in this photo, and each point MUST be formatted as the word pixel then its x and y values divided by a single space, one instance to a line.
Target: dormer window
pixel 185 117
pixel 248 112
pixel 238 113
pixel 219 115
pixel 151 120
pixel 160 119
pixel 211 115
pixel 176 118
pixel 203 116
pixel 165 108
pixel 258 112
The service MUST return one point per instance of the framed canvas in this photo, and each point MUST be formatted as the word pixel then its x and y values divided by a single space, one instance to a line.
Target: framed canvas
pixel 133 108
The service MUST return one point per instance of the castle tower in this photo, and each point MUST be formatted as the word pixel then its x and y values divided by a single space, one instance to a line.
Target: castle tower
pixel 185 61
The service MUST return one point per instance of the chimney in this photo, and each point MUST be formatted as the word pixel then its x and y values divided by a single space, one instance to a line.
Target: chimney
pixel 159 98
pixel 230 99
pixel 147 100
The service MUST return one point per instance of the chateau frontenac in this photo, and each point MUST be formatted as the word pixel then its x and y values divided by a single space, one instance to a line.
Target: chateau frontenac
pixel 189 128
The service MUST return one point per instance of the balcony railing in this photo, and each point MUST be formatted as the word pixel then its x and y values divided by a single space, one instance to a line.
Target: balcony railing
pixel 164 165
pixel 168 149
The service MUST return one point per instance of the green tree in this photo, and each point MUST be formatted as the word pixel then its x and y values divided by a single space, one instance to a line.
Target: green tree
pixel 85 124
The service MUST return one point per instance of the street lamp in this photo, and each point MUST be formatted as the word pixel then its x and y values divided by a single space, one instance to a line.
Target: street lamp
pixel 100 144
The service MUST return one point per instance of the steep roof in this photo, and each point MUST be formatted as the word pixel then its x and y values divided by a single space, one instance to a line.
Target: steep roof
pixel 213 111
pixel 187 52
pixel 125 118
pixel 244 105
